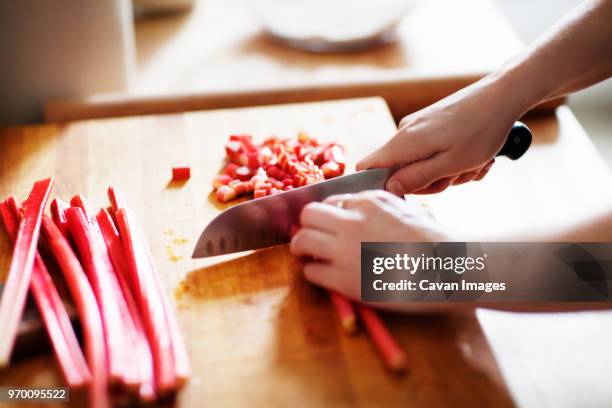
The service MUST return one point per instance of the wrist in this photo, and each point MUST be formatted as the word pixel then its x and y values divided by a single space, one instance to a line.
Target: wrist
pixel 518 87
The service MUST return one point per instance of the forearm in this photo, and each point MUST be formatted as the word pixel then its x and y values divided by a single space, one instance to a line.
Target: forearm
pixel 598 229
pixel 574 54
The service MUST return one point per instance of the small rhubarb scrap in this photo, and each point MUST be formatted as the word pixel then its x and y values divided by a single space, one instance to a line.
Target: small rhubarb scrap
pixel 20 271
pixel 182 173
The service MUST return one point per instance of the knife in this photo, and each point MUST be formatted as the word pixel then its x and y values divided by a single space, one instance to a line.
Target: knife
pixel 267 221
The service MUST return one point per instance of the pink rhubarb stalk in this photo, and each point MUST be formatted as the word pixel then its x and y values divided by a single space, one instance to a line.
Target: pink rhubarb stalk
pixel 51 308
pixel 130 376
pixel 97 271
pixel 20 272
pixel 87 308
pixel 117 255
pixel 169 353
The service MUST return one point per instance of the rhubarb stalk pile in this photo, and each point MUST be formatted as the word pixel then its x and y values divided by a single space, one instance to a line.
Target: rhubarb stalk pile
pixel 131 338
pixel 276 165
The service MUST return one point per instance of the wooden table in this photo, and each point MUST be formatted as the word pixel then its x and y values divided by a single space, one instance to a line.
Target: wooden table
pixel 257 333
pixel 218 57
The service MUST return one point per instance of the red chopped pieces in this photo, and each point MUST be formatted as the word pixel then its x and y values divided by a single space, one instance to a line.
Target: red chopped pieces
pixel 181 173
pixel 276 165
pixel 226 193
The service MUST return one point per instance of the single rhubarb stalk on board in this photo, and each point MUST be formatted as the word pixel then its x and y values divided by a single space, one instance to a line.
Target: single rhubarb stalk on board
pixel 143 273
pixel 117 255
pixel 97 271
pixel 182 368
pixel 87 308
pixel 151 306
pixel 131 374
pixel 392 354
pixel 51 308
pixel 20 271
pixel 345 311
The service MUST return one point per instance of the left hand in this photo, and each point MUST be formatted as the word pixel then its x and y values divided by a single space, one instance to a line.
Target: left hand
pixel 331 233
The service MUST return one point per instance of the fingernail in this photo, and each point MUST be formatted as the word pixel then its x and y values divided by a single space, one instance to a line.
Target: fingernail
pixel 396 187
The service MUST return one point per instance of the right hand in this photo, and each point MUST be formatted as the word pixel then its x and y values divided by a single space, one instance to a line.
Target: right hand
pixel 451 142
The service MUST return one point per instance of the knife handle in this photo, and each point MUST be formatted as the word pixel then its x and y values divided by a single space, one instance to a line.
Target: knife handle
pixel 517 142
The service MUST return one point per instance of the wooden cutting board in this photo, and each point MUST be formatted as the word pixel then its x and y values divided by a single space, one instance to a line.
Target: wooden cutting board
pixel 257 333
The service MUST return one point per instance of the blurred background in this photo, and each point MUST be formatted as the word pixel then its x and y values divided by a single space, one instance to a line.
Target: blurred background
pixel 593 106
pixel 237 51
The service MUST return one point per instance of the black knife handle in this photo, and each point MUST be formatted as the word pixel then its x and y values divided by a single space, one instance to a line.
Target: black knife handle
pixel 517 142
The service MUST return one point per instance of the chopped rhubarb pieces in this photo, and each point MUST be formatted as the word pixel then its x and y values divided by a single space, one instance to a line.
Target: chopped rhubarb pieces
pixel 233 148
pixel 254 161
pixel 331 169
pixel 259 193
pixel 20 272
pixel 226 194
pixel 230 170
pixel 283 163
pixel 243 173
pixel 221 180
pixel 240 187
pixel 181 173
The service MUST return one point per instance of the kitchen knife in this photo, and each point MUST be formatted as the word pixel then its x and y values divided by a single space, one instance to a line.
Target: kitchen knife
pixel 267 221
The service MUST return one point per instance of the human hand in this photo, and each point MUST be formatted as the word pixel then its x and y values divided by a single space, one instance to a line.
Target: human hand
pixel 451 142
pixel 331 235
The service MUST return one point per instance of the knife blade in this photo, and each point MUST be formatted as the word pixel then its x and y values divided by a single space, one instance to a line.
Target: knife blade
pixel 267 221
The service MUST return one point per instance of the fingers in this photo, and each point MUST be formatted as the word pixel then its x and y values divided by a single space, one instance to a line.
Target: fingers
pixel 365 199
pixel 321 216
pixel 322 274
pixel 484 171
pixel 467 177
pixel 418 175
pixel 442 184
pixel 437 186
pixel 315 243
pixel 404 147
pixel 338 200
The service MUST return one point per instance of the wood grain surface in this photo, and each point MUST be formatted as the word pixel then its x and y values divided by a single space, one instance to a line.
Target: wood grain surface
pixel 217 56
pixel 256 332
